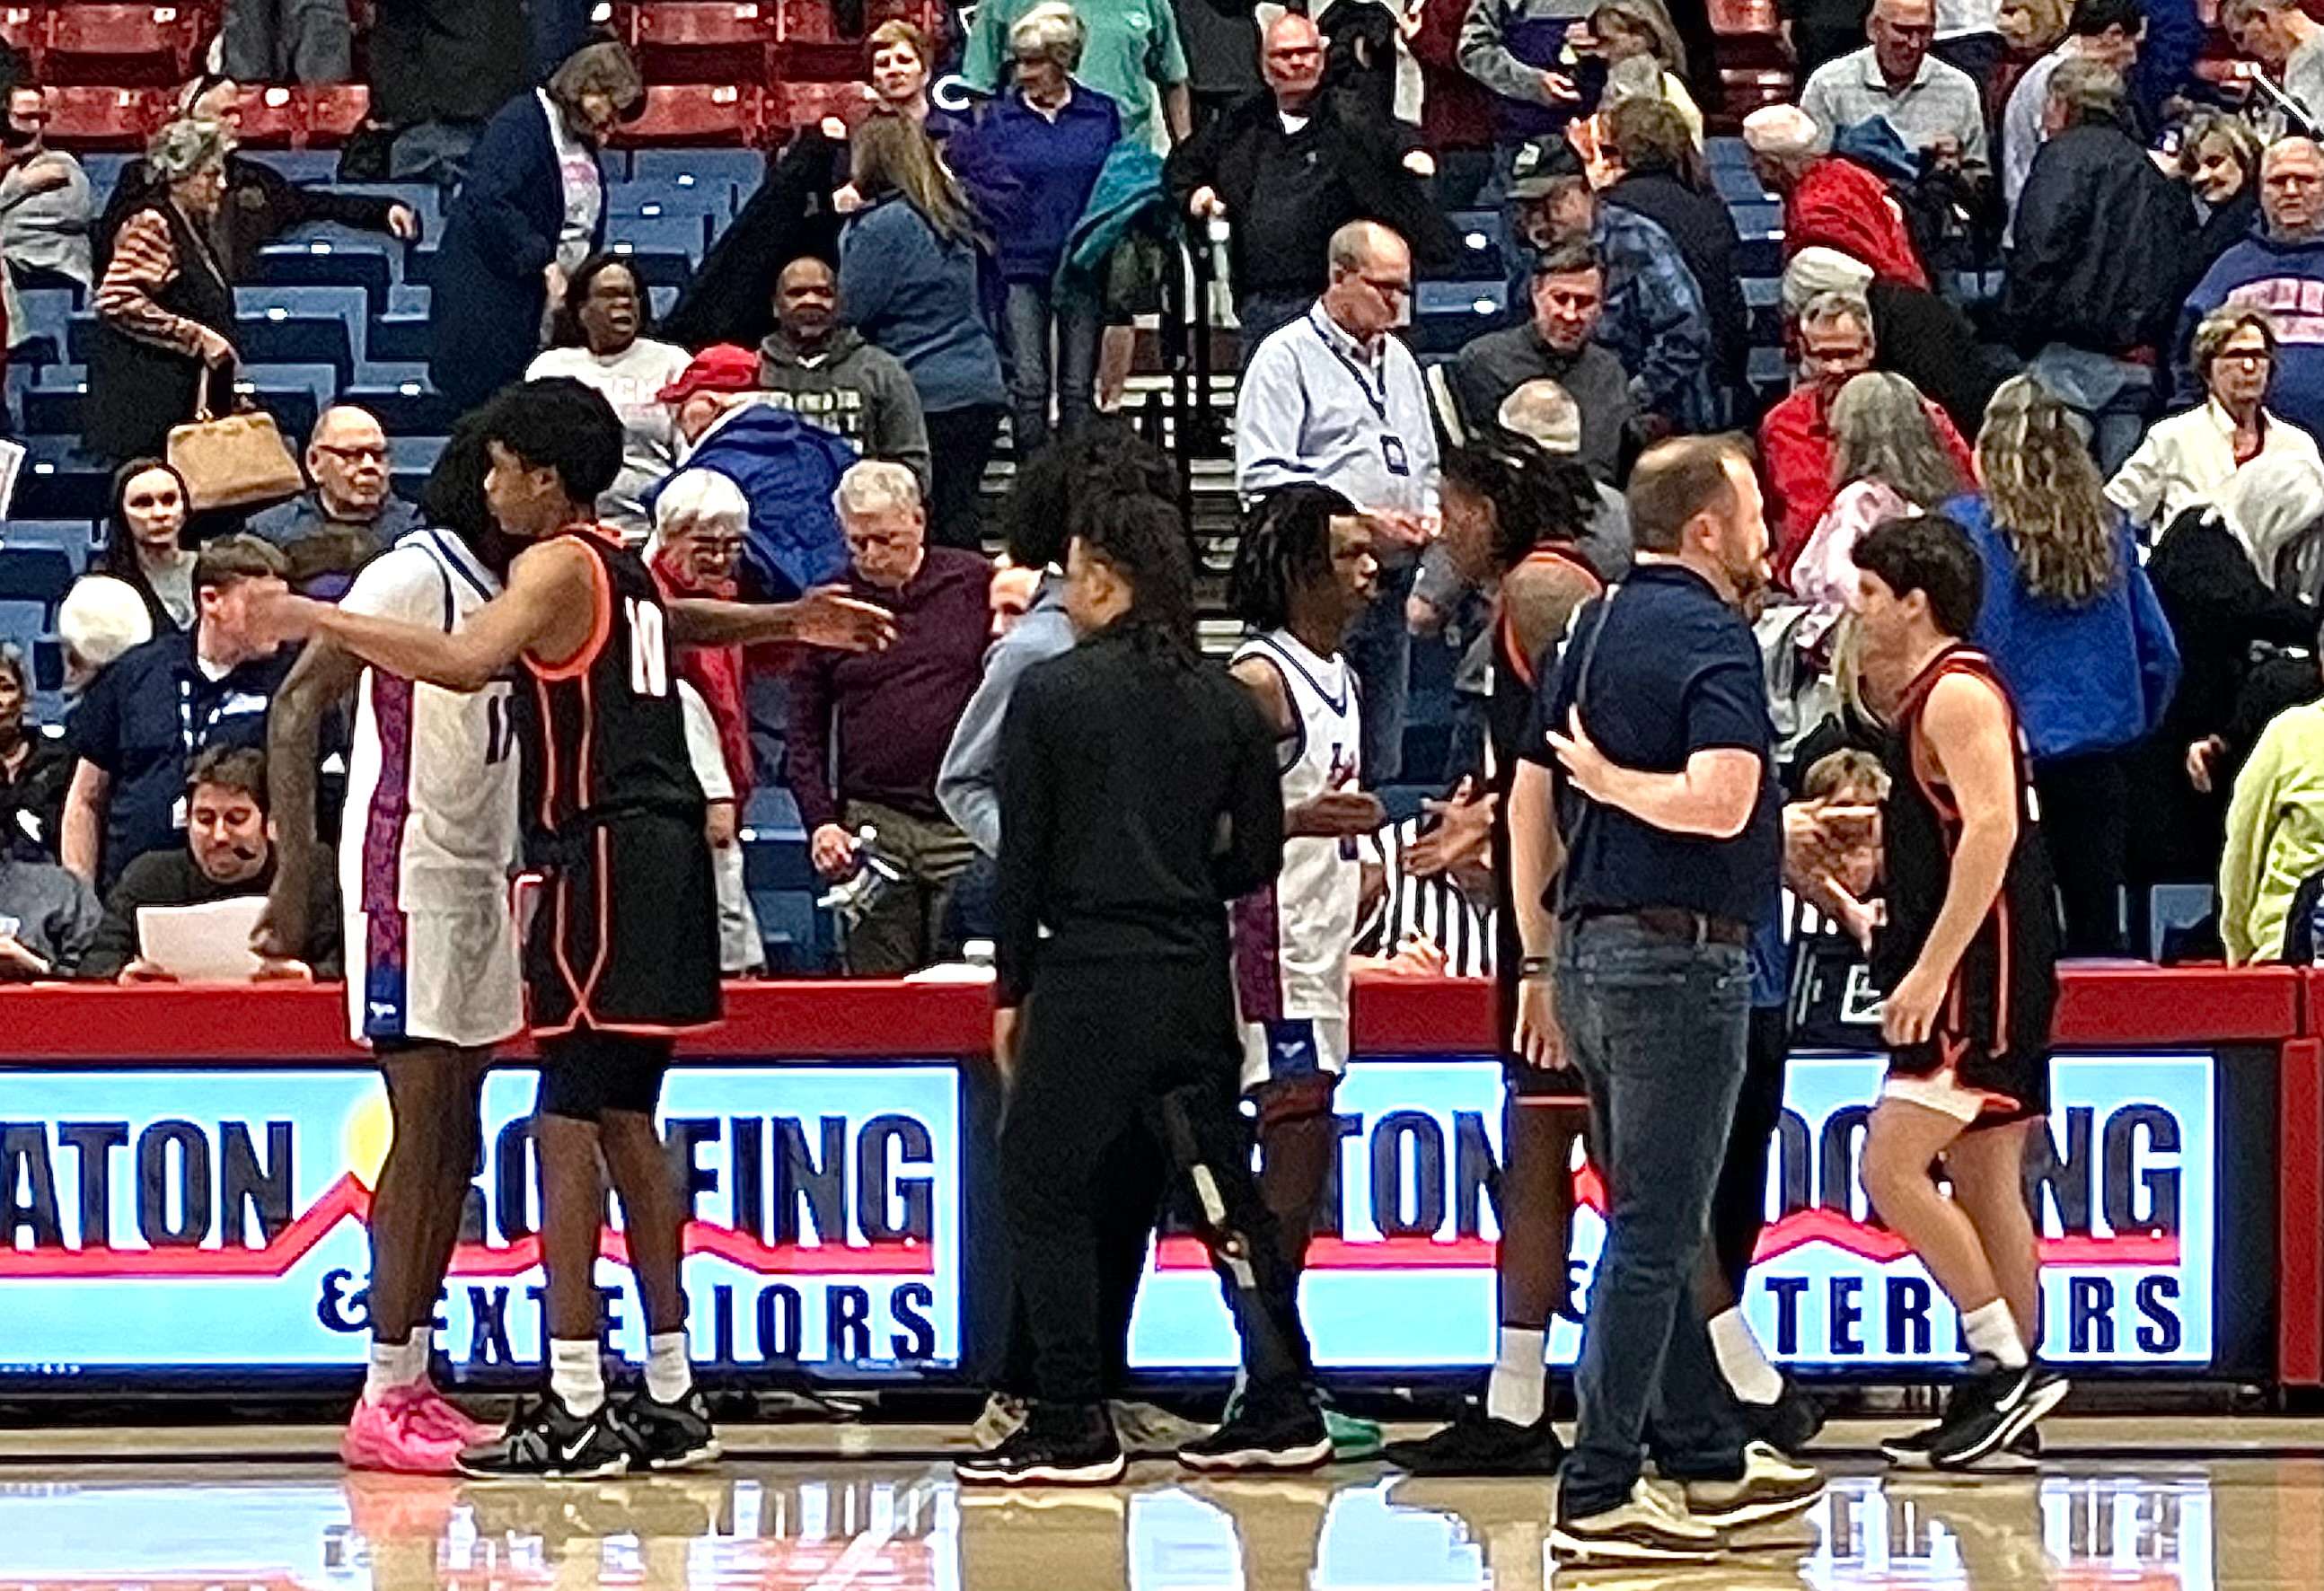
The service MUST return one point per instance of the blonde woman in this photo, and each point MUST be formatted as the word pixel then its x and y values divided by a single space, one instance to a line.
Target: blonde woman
pixel 1641 50
pixel 1886 462
pixel 2074 627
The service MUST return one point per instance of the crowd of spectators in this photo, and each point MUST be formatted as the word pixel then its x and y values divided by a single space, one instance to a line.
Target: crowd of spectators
pixel 2037 276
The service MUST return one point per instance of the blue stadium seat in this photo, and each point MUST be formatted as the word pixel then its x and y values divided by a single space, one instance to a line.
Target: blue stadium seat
pixel 323 262
pixel 661 234
pixel 714 201
pixel 408 410
pixel 47 313
pixel 741 169
pixel 300 340
pixel 1484 300
pixel 401 337
pixel 60 482
pixel 76 538
pixel 37 576
pixel 424 198
pixel 304 166
pixel 350 305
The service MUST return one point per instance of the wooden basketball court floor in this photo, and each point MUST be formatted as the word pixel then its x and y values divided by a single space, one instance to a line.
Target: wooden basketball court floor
pixel 2120 1505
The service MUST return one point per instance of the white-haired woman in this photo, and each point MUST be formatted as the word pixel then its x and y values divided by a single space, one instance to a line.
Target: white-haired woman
pixel 34 768
pixel 1049 137
pixel 2187 458
pixel 1887 461
pixel 165 306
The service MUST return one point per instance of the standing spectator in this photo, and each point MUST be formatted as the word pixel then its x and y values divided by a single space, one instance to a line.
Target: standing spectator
pixel 1968 36
pixel 2219 159
pixel 908 283
pixel 903 62
pixel 165 308
pixel 100 620
pixel 2105 32
pixel 1888 463
pixel 1132 55
pixel 890 715
pixel 1220 39
pixel 2186 459
pixel 2278 269
pixel 351 513
pixel 437 69
pixel 1522 50
pixel 144 543
pixel 1936 109
pixel 1334 398
pixel 532 211
pixel 35 768
pixel 2284 39
pixel 2095 276
pixel 1286 169
pixel 47 206
pixel 1796 444
pixel 1051 136
pixel 2030 30
pixel 1654 171
pixel 287 42
pixel 823 372
pixel 1641 31
pixel 147 716
pixel 1915 333
pixel 1558 344
pixel 2072 624
pixel 1828 202
pixel 2274 839
pixel 599 339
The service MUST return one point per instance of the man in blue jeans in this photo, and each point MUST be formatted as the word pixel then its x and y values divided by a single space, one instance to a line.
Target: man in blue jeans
pixel 1645 835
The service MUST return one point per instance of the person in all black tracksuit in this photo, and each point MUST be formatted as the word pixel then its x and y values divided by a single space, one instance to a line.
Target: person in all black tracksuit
pixel 1968 958
pixel 622 949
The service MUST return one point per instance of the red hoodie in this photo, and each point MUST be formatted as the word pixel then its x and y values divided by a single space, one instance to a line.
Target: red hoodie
pixel 1839 204
pixel 718 672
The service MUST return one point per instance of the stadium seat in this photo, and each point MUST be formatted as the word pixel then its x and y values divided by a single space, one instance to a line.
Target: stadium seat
pixel 713 201
pixel 83 117
pixel 702 41
pixel 317 340
pixel 799 103
pixel 76 538
pixel 118 44
pixel 271 119
pixel 694 113
pixel 330 113
pixel 740 168
pixel 323 262
pixel 663 234
pixel 35 574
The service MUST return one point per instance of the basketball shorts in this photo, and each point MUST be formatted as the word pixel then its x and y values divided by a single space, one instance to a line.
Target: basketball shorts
pixel 449 977
pixel 1304 1051
pixel 587 1072
pixel 1956 1076
pixel 623 931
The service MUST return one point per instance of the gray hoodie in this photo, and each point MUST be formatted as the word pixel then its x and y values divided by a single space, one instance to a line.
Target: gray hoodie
pixel 851 388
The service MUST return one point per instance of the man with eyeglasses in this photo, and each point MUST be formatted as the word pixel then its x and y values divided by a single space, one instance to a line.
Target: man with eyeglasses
pixel 2279 270
pixel 1334 400
pixel 350 514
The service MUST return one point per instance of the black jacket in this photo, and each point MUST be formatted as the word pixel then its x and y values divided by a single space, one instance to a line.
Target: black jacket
pixel 2222 229
pixel 2217 606
pixel 2102 242
pixel 1918 335
pixel 261 204
pixel 729 298
pixel 1703 228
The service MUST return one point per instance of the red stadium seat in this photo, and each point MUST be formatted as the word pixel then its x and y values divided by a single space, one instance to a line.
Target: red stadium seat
pixel 690 113
pixel 120 44
pixel 1743 18
pixel 20 25
pixel 270 118
pixel 794 105
pixel 105 118
pixel 330 113
pixel 703 40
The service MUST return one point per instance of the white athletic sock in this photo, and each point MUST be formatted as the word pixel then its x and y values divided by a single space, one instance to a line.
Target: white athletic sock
pixel 577 1376
pixel 1742 1361
pixel 1519 1387
pixel 1993 1332
pixel 394 1365
pixel 669 1373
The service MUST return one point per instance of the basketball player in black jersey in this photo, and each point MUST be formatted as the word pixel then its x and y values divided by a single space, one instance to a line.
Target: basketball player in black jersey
pixel 622 952
pixel 1968 958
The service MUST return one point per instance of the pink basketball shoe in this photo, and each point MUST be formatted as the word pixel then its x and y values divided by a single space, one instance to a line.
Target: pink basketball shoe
pixel 438 1413
pixel 397 1433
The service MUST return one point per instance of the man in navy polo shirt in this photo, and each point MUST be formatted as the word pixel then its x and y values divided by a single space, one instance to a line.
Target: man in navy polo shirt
pixel 137 731
pixel 1645 836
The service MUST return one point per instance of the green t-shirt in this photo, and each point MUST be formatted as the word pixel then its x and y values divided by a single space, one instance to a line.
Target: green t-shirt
pixel 1133 47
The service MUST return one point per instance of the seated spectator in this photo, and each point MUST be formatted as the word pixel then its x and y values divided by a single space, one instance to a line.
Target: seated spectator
pixel 907 280
pixel 144 543
pixel 1937 110
pixel 161 705
pixel 1828 202
pixel 261 204
pixel 599 340
pixel 2100 250
pixel 2277 268
pixel 1888 462
pixel 2285 41
pixel 48 917
pixel 228 852
pixel 2071 622
pixel 35 768
pixel 2104 32
pixel 165 308
pixel 100 620
pixel 2218 574
pixel 891 715
pixel 1559 342
pixel 2219 159
pixel 2274 838
pixel 531 213
pixel 351 513
pixel 47 206
pixel 1916 334
pixel 787 470
pixel 288 41
pixel 827 372
pixel 2187 458
pixel 1796 444
pixel 1640 30
pixel 1285 170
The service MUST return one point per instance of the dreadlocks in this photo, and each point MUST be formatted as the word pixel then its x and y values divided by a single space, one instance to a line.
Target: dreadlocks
pixel 1286 540
pixel 1536 495
pixel 1060 486
pixel 1141 539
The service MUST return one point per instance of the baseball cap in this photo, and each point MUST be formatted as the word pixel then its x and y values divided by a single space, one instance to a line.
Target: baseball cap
pixel 1539 165
pixel 723 367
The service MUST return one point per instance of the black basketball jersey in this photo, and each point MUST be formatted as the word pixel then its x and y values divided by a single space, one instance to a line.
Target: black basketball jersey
pixel 2006 988
pixel 605 732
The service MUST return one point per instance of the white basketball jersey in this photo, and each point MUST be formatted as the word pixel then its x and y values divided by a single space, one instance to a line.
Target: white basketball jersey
pixel 430 823
pixel 1292 939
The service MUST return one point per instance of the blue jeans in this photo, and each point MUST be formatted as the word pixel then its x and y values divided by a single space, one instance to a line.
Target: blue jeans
pixel 1657 1026
pixel 1380 648
pixel 1033 307
pixel 2111 395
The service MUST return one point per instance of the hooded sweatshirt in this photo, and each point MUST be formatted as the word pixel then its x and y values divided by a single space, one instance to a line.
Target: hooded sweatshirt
pixel 2287 281
pixel 853 388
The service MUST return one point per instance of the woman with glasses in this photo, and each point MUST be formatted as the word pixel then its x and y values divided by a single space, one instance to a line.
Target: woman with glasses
pixel 2188 457
pixel 598 338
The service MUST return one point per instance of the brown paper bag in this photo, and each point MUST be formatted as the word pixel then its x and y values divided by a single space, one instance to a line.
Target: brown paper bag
pixel 233 461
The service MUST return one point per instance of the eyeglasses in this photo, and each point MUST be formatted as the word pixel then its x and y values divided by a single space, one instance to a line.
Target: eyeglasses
pixel 354 455
pixel 1389 286
pixel 2244 356
pixel 1294 53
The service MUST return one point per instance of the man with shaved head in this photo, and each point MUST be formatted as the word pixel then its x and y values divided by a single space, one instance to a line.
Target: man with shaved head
pixel 2279 269
pixel 349 513
pixel 1287 168
pixel 1935 108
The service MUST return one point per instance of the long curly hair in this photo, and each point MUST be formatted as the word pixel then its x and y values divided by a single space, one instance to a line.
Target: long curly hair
pixel 1881 431
pixel 2045 494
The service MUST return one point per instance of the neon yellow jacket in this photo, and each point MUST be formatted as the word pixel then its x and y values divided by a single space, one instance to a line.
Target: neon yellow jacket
pixel 2275 835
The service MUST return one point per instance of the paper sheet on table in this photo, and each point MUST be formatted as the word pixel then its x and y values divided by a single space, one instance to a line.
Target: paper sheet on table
pixel 202 943
pixel 12 465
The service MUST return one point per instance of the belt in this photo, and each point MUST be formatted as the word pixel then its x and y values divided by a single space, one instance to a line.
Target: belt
pixel 1673 923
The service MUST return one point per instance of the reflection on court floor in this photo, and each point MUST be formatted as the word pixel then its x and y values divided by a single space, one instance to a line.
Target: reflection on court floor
pixel 2225 1523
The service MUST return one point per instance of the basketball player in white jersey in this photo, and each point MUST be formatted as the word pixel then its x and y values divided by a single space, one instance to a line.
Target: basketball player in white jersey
pixel 1303 571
